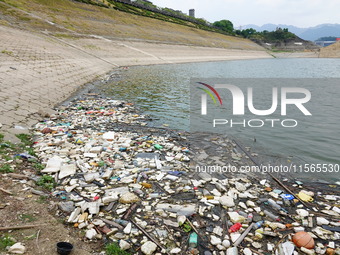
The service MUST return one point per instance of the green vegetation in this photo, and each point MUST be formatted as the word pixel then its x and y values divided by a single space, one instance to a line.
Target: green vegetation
pixel 186 227
pixel 169 15
pixel 26 144
pixel 118 21
pixel 101 163
pixel 270 37
pixel 42 200
pixel 25 139
pixel 31 237
pixel 113 249
pixel 46 182
pixel 38 166
pixel 6 168
pixel 6 241
pixel 327 38
pixel 146 4
pixel 224 25
pixel 93 3
pixel 7 52
pixel 26 218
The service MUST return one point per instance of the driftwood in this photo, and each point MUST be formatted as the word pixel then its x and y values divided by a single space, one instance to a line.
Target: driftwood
pixel 18 176
pixel 147 235
pixel 6 191
pixel 20 227
pixel 274 178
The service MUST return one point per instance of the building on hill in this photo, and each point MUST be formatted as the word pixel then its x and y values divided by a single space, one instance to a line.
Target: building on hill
pixel 324 43
pixel 192 13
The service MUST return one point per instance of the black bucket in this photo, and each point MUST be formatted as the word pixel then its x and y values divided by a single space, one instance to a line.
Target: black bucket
pixel 64 248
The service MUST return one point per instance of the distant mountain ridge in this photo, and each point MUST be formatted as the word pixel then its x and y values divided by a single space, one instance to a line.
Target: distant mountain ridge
pixel 310 34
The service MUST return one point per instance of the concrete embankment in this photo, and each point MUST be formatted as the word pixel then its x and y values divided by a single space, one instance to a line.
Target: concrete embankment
pixel 40 70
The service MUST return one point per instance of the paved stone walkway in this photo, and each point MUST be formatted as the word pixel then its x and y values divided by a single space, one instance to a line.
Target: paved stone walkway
pixel 37 72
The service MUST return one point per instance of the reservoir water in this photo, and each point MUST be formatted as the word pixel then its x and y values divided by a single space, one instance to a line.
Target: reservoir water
pixel 163 92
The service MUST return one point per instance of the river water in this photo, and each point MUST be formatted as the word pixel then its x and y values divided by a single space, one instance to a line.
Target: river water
pixel 163 92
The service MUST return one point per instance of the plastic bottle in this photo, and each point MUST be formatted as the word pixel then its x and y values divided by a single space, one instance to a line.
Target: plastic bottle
pixel 287 203
pixel 206 192
pixel 145 176
pixel 158 147
pixel 122 222
pixel 139 177
pixel 250 217
pixel 258 224
pixel 138 191
pixel 193 240
pixel 155 195
pixel 242 214
pixel 272 216
pixel 273 204
pixel 235 227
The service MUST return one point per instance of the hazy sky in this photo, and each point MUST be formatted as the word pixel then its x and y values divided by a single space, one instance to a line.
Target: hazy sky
pixel 301 13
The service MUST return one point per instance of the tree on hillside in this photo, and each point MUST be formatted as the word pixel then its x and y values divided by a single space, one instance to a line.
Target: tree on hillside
pixel 279 35
pixel 247 33
pixel 146 3
pixel 224 25
pixel 327 38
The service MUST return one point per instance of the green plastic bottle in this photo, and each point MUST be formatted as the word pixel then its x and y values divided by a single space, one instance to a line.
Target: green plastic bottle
pixel 193 240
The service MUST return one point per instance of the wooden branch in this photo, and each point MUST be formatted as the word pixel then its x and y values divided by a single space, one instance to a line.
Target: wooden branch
pixel 18 176
pixel 20 227
pixel 6 191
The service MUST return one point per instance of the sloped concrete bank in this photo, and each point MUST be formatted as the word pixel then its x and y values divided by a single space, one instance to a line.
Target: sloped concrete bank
pixel 39 70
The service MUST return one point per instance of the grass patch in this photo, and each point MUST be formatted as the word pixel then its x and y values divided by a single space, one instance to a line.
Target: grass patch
pixel 26 143
pixel 91 47
pixel 31 237
pixel 27 218
pixel 23 18
pixel 42 200
pixel 46 182
pixel 118 21
pixel 23 151
pixel 6 241
pixel 7 52
pixel 61 35
pixel 38 166
pixel 6 168
pixel 25 139
pixel 113 249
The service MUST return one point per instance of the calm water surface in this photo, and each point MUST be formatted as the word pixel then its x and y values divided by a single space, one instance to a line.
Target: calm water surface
pixel 162 91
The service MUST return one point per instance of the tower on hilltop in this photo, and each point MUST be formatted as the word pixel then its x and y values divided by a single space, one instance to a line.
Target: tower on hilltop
pixel 192 13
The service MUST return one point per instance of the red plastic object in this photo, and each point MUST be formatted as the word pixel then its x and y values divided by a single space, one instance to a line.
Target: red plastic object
pixel 235 227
